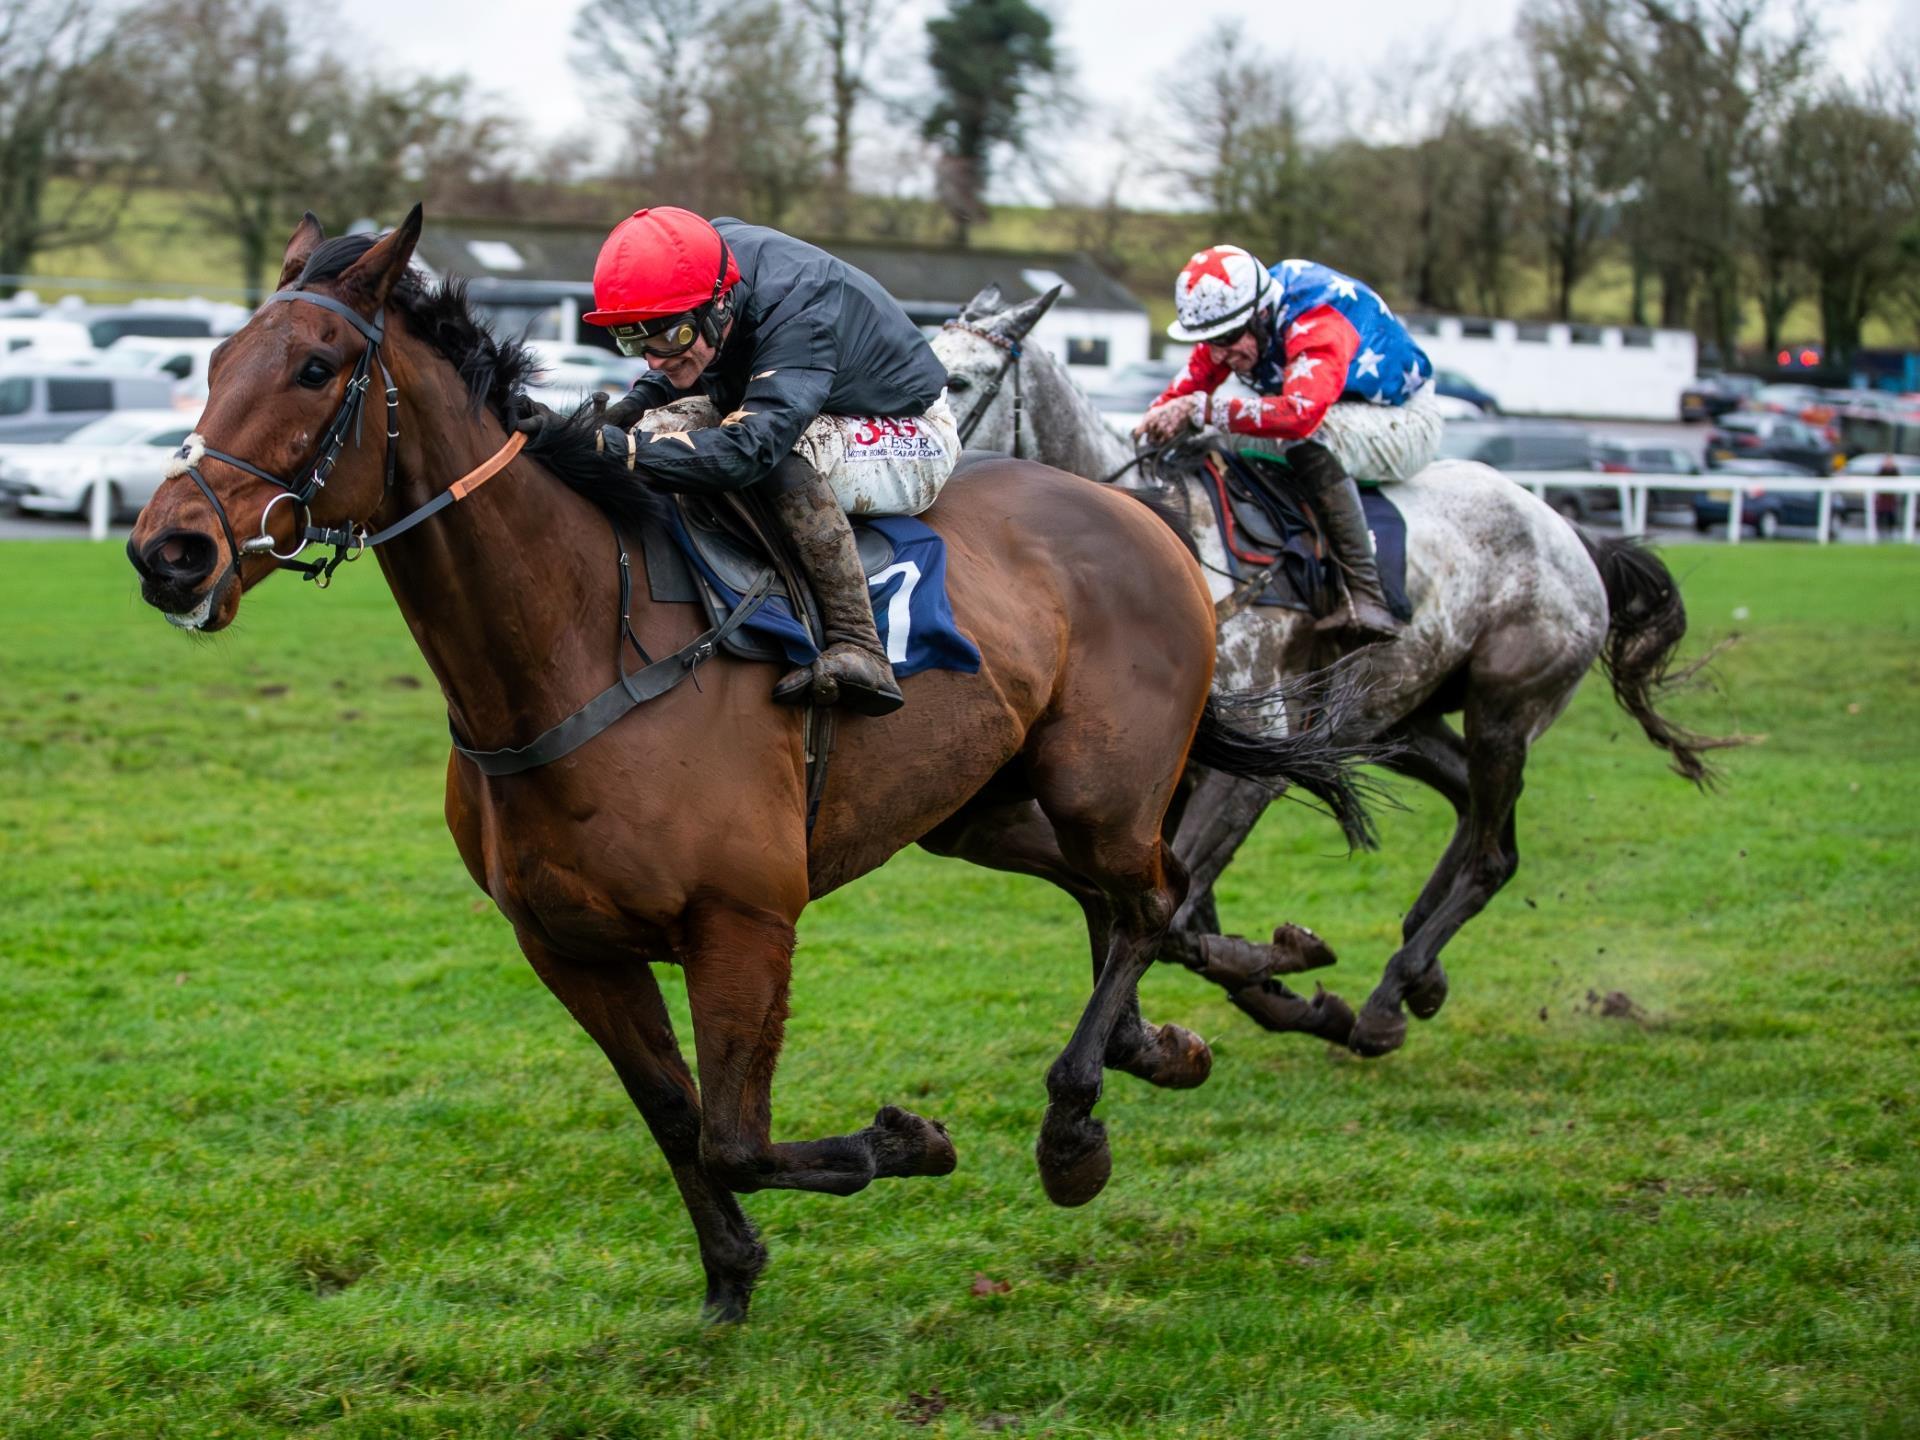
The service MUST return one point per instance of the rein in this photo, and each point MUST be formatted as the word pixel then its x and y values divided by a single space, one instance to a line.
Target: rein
pixel 351 540
pixel 992 392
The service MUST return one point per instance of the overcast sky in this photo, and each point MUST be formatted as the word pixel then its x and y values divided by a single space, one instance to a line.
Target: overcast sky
pixel 1119 49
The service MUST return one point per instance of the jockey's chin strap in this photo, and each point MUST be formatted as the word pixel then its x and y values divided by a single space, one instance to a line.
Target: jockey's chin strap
pixel 988 395
pixel 350 540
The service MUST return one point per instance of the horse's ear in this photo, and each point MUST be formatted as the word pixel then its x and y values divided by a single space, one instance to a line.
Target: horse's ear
pixel 986 303
pixel 1018 321
pixel 307 236
pixel 371 278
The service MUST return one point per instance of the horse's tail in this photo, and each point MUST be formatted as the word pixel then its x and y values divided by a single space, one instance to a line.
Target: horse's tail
pixel 1235 736
pixel 1648 622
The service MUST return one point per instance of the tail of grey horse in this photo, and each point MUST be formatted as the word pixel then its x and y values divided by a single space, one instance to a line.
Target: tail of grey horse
pixel 1648 622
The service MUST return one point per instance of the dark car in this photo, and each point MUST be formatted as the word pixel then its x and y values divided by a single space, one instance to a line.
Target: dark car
pixel 1458 386
pixel 1754 436
pixel 1714 393
pixel 1648 457
pixel 1535 446
pixel 107 326
pixel 1764 509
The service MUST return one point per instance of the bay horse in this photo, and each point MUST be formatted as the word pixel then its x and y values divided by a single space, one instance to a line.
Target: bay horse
pixel 1512 606
pixel 679 834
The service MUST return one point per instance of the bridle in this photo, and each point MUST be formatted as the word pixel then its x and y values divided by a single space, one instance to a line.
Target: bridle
pixel 350 540
pixel 988 395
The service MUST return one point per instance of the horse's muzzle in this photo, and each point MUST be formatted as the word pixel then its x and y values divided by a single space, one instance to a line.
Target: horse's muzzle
pixel 173 567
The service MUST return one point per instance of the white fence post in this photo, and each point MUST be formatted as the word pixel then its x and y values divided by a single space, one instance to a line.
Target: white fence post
pixel 1636 499
pixel 1733 515
pixel 1873 520
pixel 1826 512
pixel 99 502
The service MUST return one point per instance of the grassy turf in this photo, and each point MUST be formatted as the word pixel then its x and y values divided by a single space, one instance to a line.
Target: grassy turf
pixel 295 1142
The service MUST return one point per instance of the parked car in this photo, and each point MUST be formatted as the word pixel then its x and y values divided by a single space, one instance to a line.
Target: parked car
pixel 107 326
pixel 185 359
pixel 583 367
pixel 1534 445
pixel 1745 436
pixel 44 337
pixel 1125 394
pixel 1764 509
pixel 1639 457
pixel 1713 393
pixel 127 452
pixel 1801 402
pixel 40 402
pixel 1454 385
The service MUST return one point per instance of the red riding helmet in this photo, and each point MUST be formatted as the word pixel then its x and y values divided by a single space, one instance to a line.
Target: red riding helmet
pixel 662 261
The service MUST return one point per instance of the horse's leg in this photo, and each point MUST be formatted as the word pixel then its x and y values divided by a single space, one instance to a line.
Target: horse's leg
pixel 1482 858
pixel 738 963
pixel 1018 837
pixel 1108 828
pixel 621 1008
pixel 1219 815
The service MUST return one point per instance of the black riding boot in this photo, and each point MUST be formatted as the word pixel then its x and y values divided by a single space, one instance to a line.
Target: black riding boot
pixel 853 670
pixel 1364 619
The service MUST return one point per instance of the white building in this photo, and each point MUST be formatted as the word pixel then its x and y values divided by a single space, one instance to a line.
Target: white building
pixel 1607 372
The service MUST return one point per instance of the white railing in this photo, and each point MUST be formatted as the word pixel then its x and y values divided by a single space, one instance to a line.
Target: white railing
pixel 1635 490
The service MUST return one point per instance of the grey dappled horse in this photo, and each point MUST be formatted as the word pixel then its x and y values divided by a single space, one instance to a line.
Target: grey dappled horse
pixel 1511 607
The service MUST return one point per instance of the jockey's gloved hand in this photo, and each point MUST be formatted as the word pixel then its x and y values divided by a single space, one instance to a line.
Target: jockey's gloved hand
pixel 527 415
pixel 625 412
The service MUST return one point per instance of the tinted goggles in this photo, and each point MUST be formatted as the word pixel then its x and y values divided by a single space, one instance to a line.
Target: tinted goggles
pixel 1231 338
pixel 666 337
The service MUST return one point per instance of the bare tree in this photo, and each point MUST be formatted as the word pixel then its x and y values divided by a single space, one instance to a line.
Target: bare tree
pixel 845 31
pixel 1570 119
pixel 61 130
pixel 1862 181
pixel 645 58
pixel 758 146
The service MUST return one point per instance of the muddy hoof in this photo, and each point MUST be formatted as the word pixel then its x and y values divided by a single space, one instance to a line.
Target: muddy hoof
pixel 1427 994
pixel 1296 948
pixel 905 1144
pixel 1185 1061
pixel 1075 1160
pixel 1377 1032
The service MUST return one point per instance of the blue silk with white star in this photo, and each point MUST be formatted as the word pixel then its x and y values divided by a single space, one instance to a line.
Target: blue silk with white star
pixel 1387 369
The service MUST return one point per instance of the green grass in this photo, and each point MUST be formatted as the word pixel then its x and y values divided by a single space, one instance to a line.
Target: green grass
pixel 296 1143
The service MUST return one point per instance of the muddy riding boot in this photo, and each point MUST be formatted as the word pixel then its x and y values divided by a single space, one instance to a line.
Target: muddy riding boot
pixel 852 671
pixel 1363 618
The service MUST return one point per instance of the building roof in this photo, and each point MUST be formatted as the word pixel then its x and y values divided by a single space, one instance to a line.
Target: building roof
pixel 557 259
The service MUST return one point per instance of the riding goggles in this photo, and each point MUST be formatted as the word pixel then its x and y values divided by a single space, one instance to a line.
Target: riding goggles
pixel 1231 338
pixel 665 337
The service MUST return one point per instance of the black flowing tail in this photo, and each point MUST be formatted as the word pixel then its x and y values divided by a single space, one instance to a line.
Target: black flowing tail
pixel 1233 738
pixel 1648 623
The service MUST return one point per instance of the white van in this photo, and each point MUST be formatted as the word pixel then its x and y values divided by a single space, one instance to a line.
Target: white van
pixel 42 400
pixel 185 360
pixel 44 337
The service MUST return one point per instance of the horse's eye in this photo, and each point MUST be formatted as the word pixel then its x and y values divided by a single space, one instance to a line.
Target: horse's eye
pixel 959 383
pixel 314 374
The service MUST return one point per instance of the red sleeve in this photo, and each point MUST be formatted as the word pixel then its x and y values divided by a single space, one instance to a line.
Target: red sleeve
pixel 1320 346
pixel 1201 377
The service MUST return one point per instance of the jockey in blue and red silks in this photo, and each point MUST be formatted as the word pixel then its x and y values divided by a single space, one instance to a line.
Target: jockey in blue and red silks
pixel 1335 372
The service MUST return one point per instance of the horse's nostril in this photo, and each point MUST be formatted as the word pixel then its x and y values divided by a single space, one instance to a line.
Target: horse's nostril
pixel 179 557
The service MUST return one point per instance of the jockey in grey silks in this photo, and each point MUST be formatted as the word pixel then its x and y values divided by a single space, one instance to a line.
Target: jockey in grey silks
pixel 1337 377
pixel 831 397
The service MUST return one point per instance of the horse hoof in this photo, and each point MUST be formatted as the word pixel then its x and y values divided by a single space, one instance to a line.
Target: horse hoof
pixel 1186 1061
pixel 1377 1032
pixel 1296 948
pixel 1075 1160
pixel 1426 995
pixel 905 1144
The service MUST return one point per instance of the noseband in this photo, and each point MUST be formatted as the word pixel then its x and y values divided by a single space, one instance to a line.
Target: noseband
pixel 351 540
pixel 988 395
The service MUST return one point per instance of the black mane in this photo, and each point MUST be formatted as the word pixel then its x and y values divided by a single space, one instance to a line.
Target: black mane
pixel 494 371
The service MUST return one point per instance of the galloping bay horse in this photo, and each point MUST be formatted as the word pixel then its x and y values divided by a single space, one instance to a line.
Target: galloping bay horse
pixel 679 834
pixel 1512 607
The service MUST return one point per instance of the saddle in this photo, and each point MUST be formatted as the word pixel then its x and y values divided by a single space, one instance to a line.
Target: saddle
pixel 1269 529
pixel 720 553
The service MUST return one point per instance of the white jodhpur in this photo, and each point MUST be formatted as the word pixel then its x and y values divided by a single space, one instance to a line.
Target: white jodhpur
pixel 875 465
